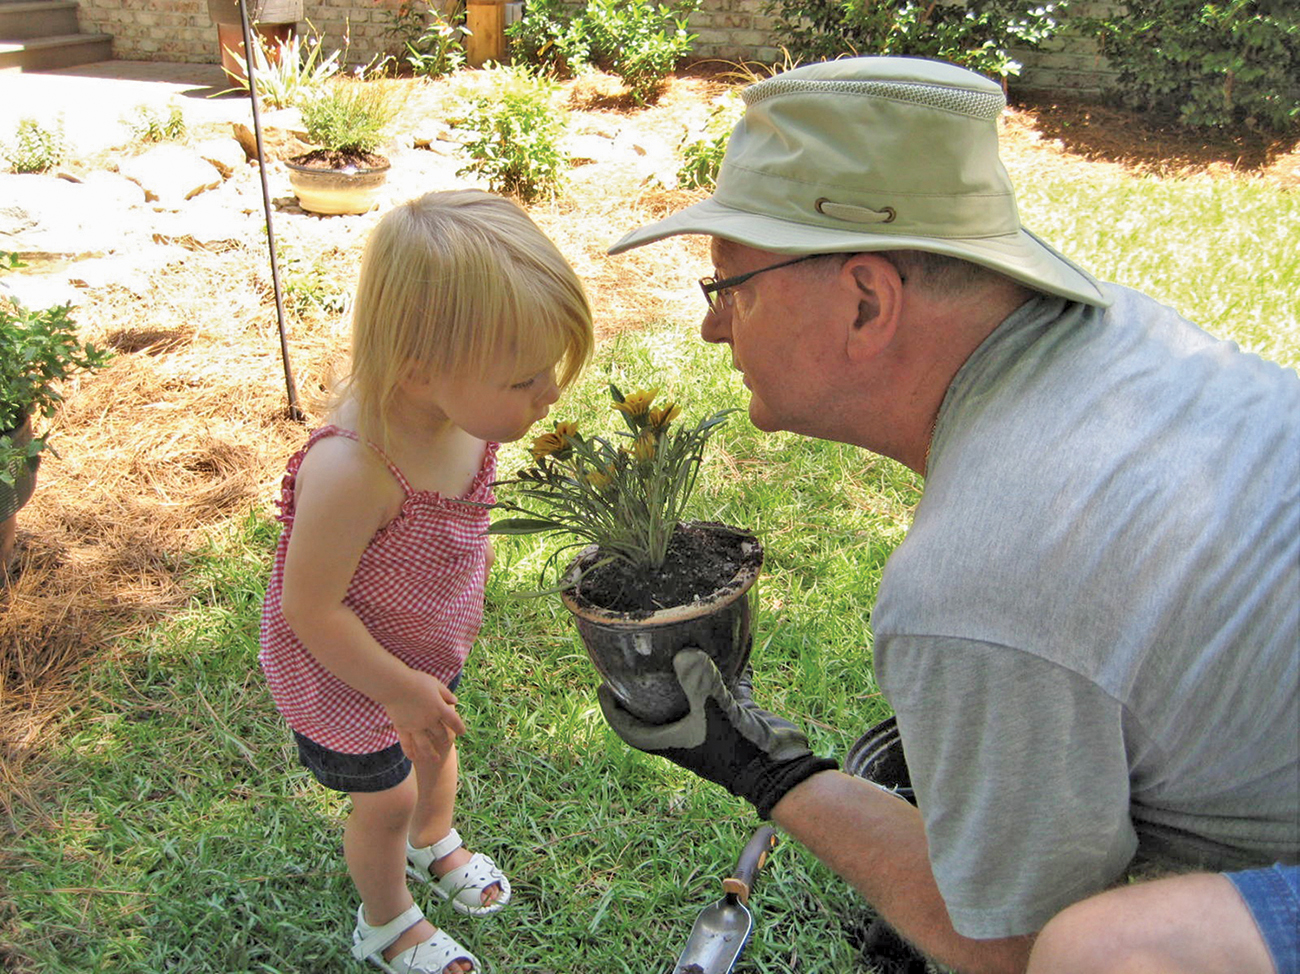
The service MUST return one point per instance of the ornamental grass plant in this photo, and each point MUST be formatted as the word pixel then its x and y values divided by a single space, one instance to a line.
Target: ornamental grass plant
pixel 625 493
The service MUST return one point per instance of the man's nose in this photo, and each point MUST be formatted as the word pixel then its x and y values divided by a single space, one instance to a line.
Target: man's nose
pixel 716 327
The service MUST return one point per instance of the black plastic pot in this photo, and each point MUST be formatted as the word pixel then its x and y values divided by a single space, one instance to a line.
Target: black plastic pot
pixel 23 470
pixel 12 498
pixel 634 652
pixel 878 756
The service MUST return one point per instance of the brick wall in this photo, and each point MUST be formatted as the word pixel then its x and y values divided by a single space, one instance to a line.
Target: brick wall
pixel 180 30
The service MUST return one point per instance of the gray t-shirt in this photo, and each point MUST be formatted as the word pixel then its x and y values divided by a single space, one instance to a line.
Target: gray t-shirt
pixel 1091 634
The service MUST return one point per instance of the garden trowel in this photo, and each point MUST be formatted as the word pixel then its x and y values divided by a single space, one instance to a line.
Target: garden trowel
pixel 722 930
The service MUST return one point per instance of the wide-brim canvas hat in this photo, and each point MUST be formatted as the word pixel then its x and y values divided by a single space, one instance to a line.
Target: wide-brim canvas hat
pixel 874 153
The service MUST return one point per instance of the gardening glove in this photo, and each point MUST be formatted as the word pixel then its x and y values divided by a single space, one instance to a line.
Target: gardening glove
pixel 725 738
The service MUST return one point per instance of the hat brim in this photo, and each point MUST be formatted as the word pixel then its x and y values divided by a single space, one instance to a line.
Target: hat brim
pixel 1021 256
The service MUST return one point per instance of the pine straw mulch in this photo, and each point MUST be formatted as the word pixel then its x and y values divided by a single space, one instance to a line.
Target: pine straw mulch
pixel 188 430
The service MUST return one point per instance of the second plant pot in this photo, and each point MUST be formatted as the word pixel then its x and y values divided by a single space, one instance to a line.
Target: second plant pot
pixel 334 191
pixel 633 651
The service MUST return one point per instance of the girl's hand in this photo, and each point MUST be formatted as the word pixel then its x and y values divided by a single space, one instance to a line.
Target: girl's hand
pixel 425 718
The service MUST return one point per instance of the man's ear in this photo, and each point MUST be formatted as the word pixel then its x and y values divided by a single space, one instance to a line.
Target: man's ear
pixel 878 288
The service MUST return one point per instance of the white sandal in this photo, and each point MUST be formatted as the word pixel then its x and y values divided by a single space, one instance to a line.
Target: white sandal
pixel 429 957
pixel 464 885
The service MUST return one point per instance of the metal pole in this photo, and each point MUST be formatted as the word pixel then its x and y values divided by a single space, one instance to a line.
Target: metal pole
pixel 295 412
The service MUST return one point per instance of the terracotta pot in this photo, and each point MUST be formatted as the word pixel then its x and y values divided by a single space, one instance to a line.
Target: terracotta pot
pixel 634 652
pixel 230 38
pixel 12 499
pixel 331 191
pixel 274 20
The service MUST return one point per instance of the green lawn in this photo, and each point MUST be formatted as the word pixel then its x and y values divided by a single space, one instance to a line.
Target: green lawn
pixel 177 833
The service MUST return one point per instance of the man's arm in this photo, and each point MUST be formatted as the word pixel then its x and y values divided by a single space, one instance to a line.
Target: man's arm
pixel 873 839
pixel 876 842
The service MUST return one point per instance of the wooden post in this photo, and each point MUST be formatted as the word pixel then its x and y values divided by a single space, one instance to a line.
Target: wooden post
pixel 486 20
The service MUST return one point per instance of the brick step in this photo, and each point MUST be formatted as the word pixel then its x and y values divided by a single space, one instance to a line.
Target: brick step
pixel 50 53
pixel 37 18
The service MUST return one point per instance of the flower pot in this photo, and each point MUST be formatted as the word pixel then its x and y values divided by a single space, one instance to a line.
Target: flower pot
pixel 877 756
pixel 330 191
pixel 274 20
pixel 12 499
pixel 633 651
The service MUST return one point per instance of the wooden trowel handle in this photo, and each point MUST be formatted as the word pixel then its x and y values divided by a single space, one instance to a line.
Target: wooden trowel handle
pixel 751 860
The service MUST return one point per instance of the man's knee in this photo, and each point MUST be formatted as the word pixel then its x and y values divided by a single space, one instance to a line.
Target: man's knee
pixel 1193 924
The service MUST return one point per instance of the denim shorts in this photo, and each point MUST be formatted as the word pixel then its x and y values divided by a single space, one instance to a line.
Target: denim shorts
pixel 1273 897
pixel 337 771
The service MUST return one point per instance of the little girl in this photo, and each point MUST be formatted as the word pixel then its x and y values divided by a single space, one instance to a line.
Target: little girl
pixel 464 313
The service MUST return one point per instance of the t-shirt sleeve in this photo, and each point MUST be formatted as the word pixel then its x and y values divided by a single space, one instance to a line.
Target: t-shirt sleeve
pixel 1021 773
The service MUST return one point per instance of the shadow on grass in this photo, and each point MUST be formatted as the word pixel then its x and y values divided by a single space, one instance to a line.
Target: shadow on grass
pixel 1102 133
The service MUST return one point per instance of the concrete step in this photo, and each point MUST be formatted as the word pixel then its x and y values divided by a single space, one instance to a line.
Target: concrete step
pixel 50 53
pixel 37 18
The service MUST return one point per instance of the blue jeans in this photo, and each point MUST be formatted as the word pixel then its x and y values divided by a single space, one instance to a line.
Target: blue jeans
pixel 356 772
pixel 1273 897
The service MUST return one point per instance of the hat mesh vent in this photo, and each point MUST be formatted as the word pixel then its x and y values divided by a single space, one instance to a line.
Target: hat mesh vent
pixel 977 104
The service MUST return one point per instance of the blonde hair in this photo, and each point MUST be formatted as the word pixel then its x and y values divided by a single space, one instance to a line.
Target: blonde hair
pixel 454 282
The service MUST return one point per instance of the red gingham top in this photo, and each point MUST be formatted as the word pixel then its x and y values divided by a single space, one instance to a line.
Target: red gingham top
pixel 418 589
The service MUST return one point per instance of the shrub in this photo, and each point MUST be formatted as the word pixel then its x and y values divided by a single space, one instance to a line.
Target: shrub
pixel 38 350
pixel 35 148
pixel 516 130
pixel 977 34
pixel 1206 64
pixel 639 41
pixel 432 45
pixel 148 126
pixel 550 39
pixel 702 155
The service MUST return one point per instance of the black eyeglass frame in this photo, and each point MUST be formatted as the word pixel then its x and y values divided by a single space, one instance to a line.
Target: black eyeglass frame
pixel 714 289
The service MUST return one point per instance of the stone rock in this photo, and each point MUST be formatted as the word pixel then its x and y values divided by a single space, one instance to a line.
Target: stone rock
pixel 39 291
pixel 171 174
pixel 47 215
pixel 113 188
pixel 588 149
pixel 227 155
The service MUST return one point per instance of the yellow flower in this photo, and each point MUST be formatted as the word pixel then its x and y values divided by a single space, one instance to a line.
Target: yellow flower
pixel 600 479
pixel 643 447
pixel 568 431
pixel 548 444
pixel 638 403
pixel 659 418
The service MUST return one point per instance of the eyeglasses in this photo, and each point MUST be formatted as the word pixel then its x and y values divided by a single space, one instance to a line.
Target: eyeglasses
pixel 718 293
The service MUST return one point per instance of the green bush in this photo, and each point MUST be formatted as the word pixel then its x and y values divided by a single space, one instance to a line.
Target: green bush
pixel 1229 63
pixel 515 141
pixel 35 148
pixel 38 350
pixel 147 125
pixel 702 154
pixel 550 39
pixel 639 41
pixel 978 34
pixel 432 45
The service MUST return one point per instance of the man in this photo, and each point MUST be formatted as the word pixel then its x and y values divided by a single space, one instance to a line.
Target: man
pixel 1089 635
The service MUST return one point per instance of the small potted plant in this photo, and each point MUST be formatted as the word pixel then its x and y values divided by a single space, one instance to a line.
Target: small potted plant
pixel 347 120
pixel 649 582
pixel 38 349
